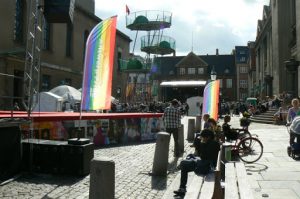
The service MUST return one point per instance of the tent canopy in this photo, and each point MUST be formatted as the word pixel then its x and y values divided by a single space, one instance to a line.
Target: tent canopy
pixel 182 83
pixel 68 93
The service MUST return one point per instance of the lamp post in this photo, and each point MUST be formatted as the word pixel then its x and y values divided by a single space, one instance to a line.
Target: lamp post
pixel 213 74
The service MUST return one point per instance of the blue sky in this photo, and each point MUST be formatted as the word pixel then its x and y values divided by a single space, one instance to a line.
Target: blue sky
pixel 201 25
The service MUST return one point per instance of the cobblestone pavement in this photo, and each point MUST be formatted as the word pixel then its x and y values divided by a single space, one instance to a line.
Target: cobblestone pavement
pixel 274 176
pixel 133 163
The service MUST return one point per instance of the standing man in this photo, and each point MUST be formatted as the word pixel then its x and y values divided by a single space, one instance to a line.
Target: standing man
pixel 172 121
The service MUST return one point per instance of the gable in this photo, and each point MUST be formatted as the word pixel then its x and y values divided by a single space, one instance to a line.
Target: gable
pixel 191 60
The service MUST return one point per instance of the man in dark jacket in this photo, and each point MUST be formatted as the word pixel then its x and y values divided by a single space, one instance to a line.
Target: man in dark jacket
pixel 208 152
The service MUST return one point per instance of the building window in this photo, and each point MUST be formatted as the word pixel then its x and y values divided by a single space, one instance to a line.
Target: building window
pixel 243 84
pixel 69 40
pixel 182 71
pixel 191 71
pixel 46 35
pixel 242 59
pixel 229 83
pixel 201 71
pixel 45 82
pixel 243 96
pixel 18 30
pixel 243 69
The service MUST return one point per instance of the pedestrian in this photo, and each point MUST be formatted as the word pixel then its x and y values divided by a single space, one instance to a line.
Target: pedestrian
pixel 292 113
pixel 205 119
pixel 187 107
pixel 16 106
pixel 172 121
pixel 208 154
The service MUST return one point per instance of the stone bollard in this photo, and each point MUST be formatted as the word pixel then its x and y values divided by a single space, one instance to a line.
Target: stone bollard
pixel 198 123
pixel 161 154
pixel 181 139
pixel 191 130
pixel 102 178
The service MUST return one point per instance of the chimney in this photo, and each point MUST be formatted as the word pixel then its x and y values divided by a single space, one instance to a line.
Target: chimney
pixel 217 51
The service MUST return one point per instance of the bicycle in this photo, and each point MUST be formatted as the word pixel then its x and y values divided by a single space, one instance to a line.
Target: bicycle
pixel 247 147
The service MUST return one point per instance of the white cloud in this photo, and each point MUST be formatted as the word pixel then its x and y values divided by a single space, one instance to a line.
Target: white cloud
pixel 213 23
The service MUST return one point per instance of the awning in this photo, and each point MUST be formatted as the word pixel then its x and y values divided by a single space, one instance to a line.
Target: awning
pixel 183 83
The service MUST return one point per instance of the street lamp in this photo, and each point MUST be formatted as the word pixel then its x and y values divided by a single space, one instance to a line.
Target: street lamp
pixel 213 74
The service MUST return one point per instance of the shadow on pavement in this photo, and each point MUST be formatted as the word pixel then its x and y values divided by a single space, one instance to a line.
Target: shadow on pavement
pixel 256 167
pixel 59 180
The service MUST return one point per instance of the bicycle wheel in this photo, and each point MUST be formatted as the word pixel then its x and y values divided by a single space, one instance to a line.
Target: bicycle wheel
pixel 250 149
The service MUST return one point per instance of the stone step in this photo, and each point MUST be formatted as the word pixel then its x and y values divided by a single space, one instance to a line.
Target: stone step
pixel 263 116
pixel 264 121
pixel 266 118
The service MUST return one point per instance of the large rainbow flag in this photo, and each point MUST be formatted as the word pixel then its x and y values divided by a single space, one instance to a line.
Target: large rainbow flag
pixel 211 99
pixel 98 66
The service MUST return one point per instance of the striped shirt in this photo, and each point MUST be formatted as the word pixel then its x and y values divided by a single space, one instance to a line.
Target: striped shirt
pixel 172 117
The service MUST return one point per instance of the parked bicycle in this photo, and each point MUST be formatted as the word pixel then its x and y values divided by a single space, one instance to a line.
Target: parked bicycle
pixel 246 146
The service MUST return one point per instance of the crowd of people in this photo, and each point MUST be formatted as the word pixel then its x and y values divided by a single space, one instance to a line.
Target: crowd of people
pixel 207 142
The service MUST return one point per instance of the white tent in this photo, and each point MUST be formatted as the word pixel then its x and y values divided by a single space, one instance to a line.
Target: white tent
pixel 68 93
pixel 48 102
pixel 194 104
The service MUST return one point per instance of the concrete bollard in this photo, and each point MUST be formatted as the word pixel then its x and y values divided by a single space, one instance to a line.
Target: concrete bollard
pixel 181 139
pixel 161 154
pixel 198 123
pixel 191 130
pixel 102 179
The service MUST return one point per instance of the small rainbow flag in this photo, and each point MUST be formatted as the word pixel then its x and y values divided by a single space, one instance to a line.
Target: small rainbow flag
pixel 98 66
pixel 211 99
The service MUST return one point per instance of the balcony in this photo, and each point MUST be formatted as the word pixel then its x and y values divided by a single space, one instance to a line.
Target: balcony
pixel 157 44
pixel 148 20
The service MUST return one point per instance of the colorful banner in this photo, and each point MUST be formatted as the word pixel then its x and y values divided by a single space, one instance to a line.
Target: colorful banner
pixel 98 66
pixel 211 99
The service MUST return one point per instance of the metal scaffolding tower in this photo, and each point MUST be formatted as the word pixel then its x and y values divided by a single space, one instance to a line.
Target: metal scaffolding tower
pixel 32 57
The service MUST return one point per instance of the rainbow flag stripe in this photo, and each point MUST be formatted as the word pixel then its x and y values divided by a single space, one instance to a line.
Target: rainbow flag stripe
pixel 211 99
pixel 98 66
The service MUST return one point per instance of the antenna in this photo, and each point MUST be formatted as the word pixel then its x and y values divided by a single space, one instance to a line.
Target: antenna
pixel 192 40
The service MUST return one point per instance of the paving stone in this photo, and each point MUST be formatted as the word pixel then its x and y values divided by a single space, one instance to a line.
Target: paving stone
pixel 274 174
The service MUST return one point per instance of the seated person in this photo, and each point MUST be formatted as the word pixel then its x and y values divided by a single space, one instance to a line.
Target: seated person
pixel 208 153
pixel 213 125
pixel 279 116
pixel 205 119
pixel 230 134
